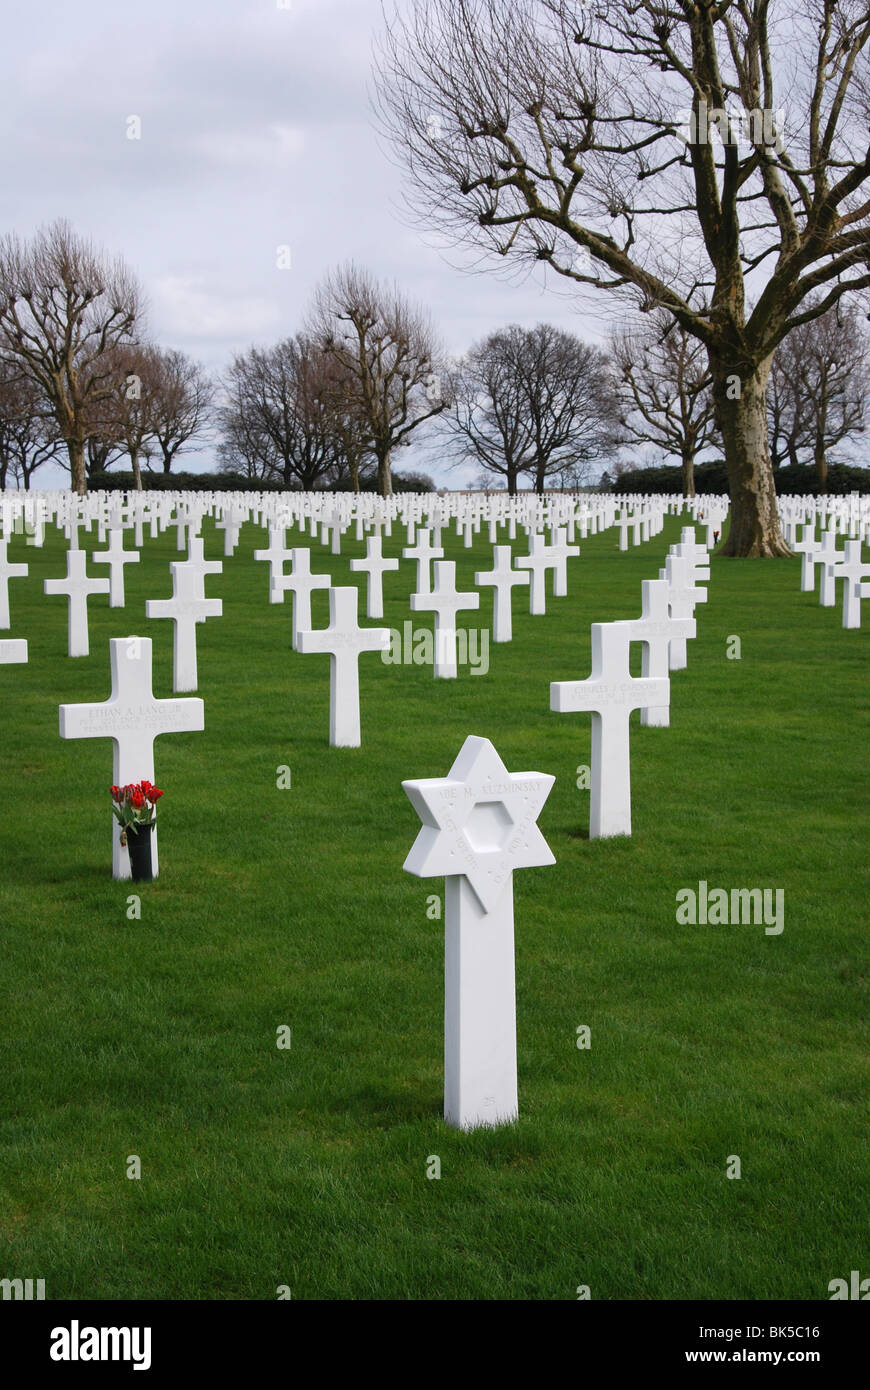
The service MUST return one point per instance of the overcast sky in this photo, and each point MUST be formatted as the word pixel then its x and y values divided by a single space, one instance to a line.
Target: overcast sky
pixel 256 132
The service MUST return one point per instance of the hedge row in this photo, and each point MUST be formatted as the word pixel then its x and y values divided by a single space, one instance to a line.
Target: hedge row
pixel 799 478
pixel 235 482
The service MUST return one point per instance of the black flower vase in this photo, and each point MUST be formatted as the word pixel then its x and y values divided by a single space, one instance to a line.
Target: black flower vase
pixel 139 849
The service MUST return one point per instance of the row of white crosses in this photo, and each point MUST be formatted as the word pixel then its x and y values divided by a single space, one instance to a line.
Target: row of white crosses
pixel 610 693
pixel 835 565
pixel 329 515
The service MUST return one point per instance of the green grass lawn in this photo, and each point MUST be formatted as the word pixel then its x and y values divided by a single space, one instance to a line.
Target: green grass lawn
pixel 307 1167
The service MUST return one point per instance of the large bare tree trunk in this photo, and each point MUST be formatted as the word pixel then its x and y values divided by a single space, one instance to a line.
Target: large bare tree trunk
pixel 137 471
pixel 742 416
pixel 76 450
pixel 385 477
pixel 688 472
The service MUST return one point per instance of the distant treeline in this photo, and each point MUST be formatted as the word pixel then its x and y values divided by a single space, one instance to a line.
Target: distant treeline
pixel 232 482
pixel 791 479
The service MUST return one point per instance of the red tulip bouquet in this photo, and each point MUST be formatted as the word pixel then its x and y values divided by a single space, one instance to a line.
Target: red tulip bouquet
pixel 135 805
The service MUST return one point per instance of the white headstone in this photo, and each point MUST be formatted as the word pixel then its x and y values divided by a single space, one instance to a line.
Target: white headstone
pixel 560 553
pixel 344 640
pixel 538 561
pixel 610 694
pixel 423 552
pixel 852 570
pixel 187 607
pixel 828 557
pixel 77 587
pixel 301 584
pixel 683 595
pixel 116 557
pixel 502 578
pixel 375 565
pixel 132 718
pixel 7 571
pixel 479 824
pixel 445 602
pixel 276 554
pixel 656 629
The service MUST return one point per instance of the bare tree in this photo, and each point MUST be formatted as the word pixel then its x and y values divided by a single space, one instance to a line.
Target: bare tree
pixel 787 425
pixel 183 401
pixel 664 387
pixel 28 432
pixel 569 394
pixel 395 373
pixel 820 381
pixel 345 422
pixel 277 415
pixel 489 420
pixel 102 448
pixel 533 400
pixel 63 307
pixel 677 153
pixel 128 419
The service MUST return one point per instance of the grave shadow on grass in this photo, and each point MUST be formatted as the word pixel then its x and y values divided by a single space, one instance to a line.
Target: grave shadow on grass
pixel 385 1105
pixel 79 874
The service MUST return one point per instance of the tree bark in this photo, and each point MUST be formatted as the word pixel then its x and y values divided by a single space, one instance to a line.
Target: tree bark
pixel 688 469
pixel 821 461
pixel 385 479
pixel 742 417
pixel 137 471
pixel 76 450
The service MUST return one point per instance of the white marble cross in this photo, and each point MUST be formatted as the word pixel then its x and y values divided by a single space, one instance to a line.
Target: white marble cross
pixel 852 570
pixel 683 595
pixel 445 602
pixel 656 628
pixel 301 583
pixel 539 560
pixel 560 553
pixel 828 557
pixel 423 552
pixel 277 554
pixel 479 825
pixel 231 525
pixel 344 640
pixel 7 571
pixel 77 586
pixel 610 694
pixel 502 578
pixel 809 549
pixel 375 565
pixel 116 557
pixel 132 718
pixel 197 564
pixel 187 607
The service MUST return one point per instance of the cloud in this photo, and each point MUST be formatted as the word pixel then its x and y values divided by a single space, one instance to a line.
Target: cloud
pixel 190 308
pixel 274 148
